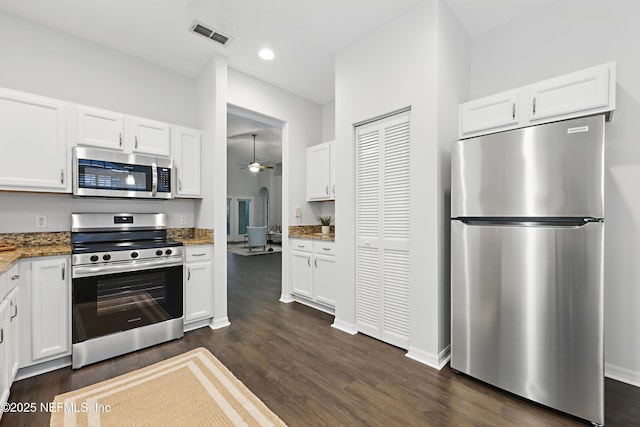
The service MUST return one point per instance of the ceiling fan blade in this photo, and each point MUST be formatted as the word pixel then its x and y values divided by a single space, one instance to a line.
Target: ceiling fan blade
pixel 263 167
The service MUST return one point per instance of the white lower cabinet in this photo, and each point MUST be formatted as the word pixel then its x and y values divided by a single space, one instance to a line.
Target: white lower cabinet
pixel 14 333
pixel 5 378
pixel 312 269
pixel 301 273
pixel 45 315
pixel 324 273
pixel 198 285
pixel 8 331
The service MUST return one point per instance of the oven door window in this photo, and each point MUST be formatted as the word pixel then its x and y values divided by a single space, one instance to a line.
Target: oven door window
pixel 117 302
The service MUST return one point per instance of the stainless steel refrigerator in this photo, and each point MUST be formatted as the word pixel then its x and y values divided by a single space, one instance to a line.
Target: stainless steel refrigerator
pixel 527 260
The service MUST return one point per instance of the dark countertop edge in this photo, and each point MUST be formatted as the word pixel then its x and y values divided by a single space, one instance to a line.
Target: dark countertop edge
pixel 8 258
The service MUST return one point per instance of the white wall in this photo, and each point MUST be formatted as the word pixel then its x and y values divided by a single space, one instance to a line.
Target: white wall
pixel 329 121
pixel 379 75
pixel 211 210
pixel 48 62
pixel 565 37
pixel 303 128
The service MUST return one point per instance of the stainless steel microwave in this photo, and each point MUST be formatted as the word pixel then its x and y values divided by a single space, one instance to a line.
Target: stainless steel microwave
pixel 104 173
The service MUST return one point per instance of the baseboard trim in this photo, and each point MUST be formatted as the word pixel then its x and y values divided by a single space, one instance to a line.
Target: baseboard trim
pixel 622 374
pixel 219 323
pixel 197 324
pixel 42 368
pixel 286 298
pixel 340 325
pixel 313 304
pixel 437 361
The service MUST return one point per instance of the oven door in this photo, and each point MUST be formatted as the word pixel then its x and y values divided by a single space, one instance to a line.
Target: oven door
pixel 108 300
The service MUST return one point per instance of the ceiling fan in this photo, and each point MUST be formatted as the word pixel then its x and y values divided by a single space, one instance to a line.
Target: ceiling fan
pixel 255 166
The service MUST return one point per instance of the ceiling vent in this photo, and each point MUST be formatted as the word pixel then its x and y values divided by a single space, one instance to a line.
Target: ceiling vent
pixel 204 30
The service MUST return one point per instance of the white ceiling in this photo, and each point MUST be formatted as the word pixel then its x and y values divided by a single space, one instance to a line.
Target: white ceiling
pixel 305 35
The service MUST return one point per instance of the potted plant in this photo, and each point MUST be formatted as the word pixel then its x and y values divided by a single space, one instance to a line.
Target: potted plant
pixel 325 221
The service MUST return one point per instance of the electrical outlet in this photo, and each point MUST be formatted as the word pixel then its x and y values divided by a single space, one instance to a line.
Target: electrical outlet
pixel 183 220
pixel 41 221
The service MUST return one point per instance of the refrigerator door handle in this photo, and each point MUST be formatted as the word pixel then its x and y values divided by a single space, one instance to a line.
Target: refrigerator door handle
pixel 530 222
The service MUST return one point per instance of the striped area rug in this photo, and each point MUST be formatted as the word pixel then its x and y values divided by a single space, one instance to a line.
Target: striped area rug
pixel 192 389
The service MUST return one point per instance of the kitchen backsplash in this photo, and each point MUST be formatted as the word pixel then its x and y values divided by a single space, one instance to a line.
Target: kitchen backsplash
pixel 36 239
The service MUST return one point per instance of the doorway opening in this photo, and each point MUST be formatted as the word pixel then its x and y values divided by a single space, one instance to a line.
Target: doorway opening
pixel 254 194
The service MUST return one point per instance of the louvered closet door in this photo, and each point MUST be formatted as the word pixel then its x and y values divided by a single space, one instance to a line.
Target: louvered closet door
pixel 382 229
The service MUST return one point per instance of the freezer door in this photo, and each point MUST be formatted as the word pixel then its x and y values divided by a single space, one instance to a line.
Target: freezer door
pixel 527 312
pixel 552 170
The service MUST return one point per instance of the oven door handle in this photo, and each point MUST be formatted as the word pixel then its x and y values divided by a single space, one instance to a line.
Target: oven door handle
pixel 130 266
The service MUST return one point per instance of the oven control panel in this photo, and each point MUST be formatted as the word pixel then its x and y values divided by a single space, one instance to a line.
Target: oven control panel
pixel 126 255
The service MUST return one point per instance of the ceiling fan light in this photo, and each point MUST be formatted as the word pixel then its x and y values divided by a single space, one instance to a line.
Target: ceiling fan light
pixel 254 167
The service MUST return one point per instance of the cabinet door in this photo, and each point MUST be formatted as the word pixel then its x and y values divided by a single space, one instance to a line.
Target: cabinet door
pixel 319 172
pixel 14 344
pixel 5 379
pixel 492 112
pixel 33 135
pixel 301 273
pixel 148 136
pixel 99 128
pixel 324 279
pixel 50 297
pixel 572 93
pixel 186 151
pixel 198 291
pixel 332 171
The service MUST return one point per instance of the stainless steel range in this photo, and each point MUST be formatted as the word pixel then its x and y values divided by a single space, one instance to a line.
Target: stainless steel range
pixel 127 281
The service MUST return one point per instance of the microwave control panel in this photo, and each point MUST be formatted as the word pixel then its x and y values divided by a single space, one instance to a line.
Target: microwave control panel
pixel 164 180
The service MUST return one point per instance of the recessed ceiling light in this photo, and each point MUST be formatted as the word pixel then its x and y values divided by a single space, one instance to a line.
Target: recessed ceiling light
pixel 266 54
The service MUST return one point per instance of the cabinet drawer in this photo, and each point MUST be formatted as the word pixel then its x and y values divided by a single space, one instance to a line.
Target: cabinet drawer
pixel 301 245
pixel 327 248
pixel 198 253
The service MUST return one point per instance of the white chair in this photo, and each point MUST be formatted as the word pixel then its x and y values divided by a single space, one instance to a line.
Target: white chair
pixel 257 236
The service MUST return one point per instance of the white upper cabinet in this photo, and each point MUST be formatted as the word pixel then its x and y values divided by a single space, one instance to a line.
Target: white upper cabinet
pixel 116 131
pixel 186 152
pixel 33 135
pixel 320 172
pixel 99 128
pixel 491 112
pixel 585 92
pixel 148 136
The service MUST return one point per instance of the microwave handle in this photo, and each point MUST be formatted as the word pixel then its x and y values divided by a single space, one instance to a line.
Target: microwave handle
pixel 154 179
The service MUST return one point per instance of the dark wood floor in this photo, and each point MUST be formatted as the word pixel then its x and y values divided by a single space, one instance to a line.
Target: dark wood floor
pixel 313 375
